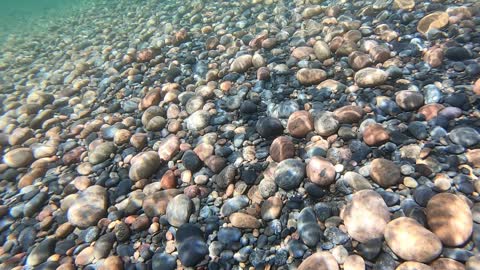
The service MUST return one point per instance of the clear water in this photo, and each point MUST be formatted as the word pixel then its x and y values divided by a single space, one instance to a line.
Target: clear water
pixel 20 16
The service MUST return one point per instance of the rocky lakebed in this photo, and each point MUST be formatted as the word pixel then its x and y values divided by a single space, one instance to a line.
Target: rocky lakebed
pixel 250 134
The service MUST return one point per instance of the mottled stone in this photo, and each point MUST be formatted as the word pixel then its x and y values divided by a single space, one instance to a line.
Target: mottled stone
pixel 450 218
pixel 366 216
pixel 412 242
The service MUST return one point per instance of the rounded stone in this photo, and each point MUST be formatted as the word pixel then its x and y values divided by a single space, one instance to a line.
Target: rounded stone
pixel 300 123
pixel 321 50
pixel 198 120
pixel 464 136
pixel 144 165
pixel 409 100
pixel 349 114
pixel 269 127
pixel 179 210
pixel 321 171
pixel 368 77
pixel 89 207
pixel 18 158
pixel 412 242
pixel 375 135
pixel 354 262
pixel 241 63
pixel 326 124
pixel 271 208
pixel 435 20
pixel 309 76
pixel 101 152
pixel 168 147
pixel 385 173
pixel 289 174
pixel 446 263
pixel 366 216
pixel 244 221
pixel 413 266
pixel 282 148
pixel 322 260
pixel 450 218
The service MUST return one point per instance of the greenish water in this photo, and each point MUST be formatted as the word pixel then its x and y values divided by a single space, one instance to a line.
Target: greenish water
pixel 21 16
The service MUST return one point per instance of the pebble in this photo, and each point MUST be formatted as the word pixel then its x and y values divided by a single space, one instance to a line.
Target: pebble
pixel 289 174
pixel 191 246
pixel 244 221
pixel 282 148
pixel 144 165
pixel 309 76
pixel 384 172
pixel 319 260
pixel 320 171
pixel 450 218
pixel 89 207
pixel 368 77
pixel 19 157
pixel 366 216
pixel 412 242
pixel 179 210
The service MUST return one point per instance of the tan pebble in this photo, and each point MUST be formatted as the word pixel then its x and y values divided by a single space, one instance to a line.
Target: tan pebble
pixel 354 262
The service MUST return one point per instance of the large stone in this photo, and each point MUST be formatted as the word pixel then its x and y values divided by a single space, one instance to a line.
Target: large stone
pixel 300 123
pixel 18 158
pixel 464 136
pixel 41 252
pixel 241 63
pixel 282 148
pixel 369 77
pixel 309 76
pixel 321 171
pixel 366 216
pixel 144 165
pixel 179 210
pixel 412 242
pixel 289 174
pixel 322 260
pixel 89 207
pixel 435 20
pixel 450 218
pixel 385 173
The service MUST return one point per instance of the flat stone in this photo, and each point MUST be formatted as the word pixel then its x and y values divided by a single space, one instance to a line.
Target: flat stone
pixel 349 114
pixel 375 135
